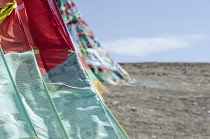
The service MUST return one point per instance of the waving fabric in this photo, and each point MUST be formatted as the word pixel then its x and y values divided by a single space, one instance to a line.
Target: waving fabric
pixel 47 91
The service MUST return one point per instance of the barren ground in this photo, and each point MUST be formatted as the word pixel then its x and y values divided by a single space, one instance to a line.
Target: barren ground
pixel 167 100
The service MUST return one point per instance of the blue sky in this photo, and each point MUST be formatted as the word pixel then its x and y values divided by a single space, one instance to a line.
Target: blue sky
pixel 150 30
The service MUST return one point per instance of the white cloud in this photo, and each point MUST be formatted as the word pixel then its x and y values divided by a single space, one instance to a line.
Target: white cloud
pixel 147 46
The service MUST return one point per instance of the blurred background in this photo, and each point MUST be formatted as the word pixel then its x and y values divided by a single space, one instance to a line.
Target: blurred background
pixel 155 31
pixel 164 46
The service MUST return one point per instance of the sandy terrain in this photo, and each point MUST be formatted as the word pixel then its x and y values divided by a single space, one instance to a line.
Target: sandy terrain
pixel 167 100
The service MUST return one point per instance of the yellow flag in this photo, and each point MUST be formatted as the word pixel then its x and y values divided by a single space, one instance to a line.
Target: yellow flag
pixel 7 10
